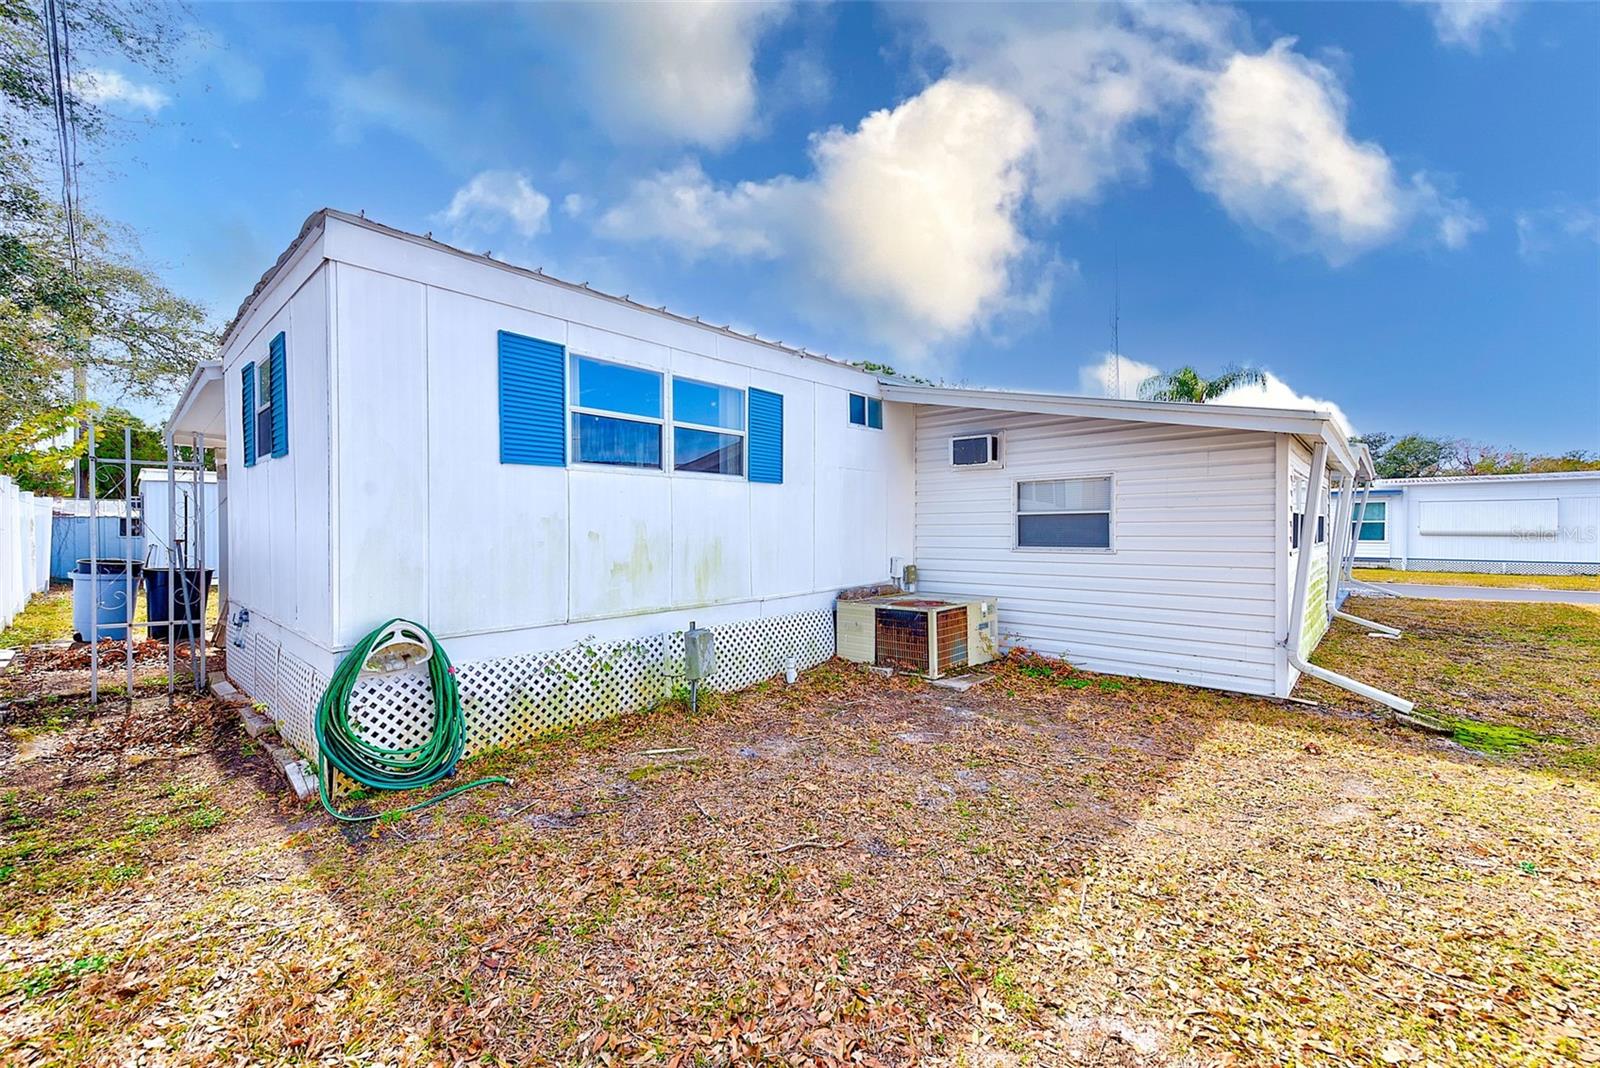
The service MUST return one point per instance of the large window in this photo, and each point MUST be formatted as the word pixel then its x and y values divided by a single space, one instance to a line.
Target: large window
pixel 1064 513
pixel 708 428
pixel 866 411
pixel 1372 522
pixel 616 414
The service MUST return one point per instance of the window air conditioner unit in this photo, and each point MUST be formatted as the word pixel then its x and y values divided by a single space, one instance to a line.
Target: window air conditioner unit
pixel 975 450
pixel 932 636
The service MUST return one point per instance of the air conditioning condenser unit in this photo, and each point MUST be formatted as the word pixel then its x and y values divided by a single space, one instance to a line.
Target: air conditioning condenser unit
pixel 932 636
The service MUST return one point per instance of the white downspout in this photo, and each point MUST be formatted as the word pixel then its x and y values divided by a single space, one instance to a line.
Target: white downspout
pixel 1297 607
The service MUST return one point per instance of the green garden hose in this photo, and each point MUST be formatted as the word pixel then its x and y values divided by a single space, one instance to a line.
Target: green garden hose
pixel 340 745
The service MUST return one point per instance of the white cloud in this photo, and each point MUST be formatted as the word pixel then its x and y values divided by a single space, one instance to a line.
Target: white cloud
pixel 574 205
pixel 1541 231
pixel 494 198
pixel 685 209
pixel 1099 78
pixel 1463 23
pixel 1271 142
pixel 1114 377
pixel 1457 228
pixel 102 87
pixel 1276 393
pixel 680 71
pixel 911 218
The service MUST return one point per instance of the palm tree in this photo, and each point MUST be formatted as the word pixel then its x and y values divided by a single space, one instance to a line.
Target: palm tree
pixel 1185 384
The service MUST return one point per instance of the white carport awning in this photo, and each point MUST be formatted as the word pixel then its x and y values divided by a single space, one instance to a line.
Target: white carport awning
pixel 200 409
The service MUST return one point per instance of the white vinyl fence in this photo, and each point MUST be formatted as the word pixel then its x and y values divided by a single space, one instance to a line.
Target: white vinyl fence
pixel 24 548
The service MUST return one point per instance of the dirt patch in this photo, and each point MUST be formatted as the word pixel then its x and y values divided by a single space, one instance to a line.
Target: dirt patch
pixel 1042 874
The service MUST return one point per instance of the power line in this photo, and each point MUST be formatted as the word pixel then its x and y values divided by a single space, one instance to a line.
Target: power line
pixel 59 40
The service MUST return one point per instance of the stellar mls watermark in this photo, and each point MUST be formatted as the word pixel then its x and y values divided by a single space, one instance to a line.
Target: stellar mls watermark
pixel 1576 533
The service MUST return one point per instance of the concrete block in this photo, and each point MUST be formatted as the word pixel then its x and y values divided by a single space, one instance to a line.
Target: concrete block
pixel 301 779
pixel 959 683
pixel 255 724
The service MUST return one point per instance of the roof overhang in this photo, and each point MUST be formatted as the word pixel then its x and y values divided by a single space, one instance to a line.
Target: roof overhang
pixel 200 409
pixel 1312 425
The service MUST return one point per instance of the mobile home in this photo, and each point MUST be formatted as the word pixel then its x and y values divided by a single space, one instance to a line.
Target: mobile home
pixel 1541 524
pixel 557 481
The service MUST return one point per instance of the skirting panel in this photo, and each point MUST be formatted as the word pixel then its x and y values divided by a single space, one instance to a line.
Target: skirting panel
pixel 513 699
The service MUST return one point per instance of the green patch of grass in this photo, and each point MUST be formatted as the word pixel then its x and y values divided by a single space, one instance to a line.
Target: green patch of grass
pixel 42 980
pixel 1496 739
pixel 47 617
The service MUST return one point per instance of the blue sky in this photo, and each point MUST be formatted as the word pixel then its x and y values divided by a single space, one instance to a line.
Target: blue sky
pixel 1391 207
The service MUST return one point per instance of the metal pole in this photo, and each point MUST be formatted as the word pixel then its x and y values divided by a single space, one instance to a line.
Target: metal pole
pixel 198 634
pixel 127 553
pixel 94 577
pixel 167 562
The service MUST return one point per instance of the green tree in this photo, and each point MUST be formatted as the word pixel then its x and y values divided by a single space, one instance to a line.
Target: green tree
pixel 1413 456
pixel 76 305
pixel 1186 384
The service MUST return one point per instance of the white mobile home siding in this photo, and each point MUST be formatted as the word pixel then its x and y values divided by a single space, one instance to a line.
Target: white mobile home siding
pixel 1189 592
pixel 1491 524
pixel 278 516
pixel 501 559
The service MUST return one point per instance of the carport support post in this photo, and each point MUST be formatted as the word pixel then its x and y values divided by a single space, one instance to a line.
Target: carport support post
pixel 1308 538
pixel 197 633
pixel 128 588
pixel 172 532
pixel 94 576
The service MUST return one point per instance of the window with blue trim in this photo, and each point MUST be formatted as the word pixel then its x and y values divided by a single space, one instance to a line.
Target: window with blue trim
pixel 708 428
pixel 866 411
pixel 1372 522
pixel 264 409
pixel 616 414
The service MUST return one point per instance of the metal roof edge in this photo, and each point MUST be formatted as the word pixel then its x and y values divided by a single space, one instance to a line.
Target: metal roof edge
pixel 203 370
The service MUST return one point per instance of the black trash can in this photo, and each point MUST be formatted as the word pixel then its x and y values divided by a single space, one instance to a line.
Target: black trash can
pixel 191 583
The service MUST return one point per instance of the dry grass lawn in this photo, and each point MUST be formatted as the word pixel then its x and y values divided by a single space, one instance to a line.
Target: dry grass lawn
pixel 1466 578
pixel 1051 868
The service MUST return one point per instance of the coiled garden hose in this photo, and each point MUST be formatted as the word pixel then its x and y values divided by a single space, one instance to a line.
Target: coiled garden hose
pixel 341 747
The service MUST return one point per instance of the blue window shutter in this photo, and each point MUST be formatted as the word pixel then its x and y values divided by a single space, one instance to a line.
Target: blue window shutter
pixel 766 436
pixel 875 413
pixel 533 401
pixel 247 390
pixel 858 409
pixel 280 398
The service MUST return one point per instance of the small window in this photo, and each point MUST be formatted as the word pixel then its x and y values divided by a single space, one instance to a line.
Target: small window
pixel 975 450
pixel 708 428
pixel 866 411
pixel 1322 519
pixel 1068 513
pixel 616 414
pixel 1297 511
pixel 263 409
pixel 1372 523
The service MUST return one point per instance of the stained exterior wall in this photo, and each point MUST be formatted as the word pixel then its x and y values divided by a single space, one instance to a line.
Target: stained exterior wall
pixel 1188 593
pixel 503 558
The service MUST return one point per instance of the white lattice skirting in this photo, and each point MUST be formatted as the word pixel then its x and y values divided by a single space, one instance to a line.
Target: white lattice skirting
pixel 513 699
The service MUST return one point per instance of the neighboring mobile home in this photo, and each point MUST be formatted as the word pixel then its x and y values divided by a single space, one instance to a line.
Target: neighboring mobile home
pixel 1546 524
pixel 557 481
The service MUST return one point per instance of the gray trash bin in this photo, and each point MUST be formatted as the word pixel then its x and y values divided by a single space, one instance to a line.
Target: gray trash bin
pixel 104 594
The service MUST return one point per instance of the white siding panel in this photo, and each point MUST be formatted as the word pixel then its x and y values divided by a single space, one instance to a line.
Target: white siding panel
pixel 279 555
pixel 383 451
pixel 1189 592
pixel 783 516
pixel 522 580
pixel 621 555
pixel 1507 518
